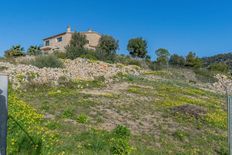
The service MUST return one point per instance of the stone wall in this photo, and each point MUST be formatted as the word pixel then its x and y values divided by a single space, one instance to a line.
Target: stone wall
pixel 21 75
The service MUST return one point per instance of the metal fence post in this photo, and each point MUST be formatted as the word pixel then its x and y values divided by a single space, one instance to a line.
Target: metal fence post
pixel 3 113
pixel 229 120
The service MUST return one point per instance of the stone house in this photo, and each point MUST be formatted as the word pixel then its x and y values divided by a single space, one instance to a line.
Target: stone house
pixel 60 41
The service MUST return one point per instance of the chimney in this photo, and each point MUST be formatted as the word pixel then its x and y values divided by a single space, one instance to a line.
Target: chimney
pixel 68 28
pixel 90 30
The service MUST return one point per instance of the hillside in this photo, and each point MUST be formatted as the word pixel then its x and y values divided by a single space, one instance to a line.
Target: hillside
pixel 224 58
pixel 170 111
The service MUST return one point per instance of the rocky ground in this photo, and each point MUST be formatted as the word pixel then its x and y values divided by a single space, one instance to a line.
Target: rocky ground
pixel 81 69
pixel 168 111
pixel 21 75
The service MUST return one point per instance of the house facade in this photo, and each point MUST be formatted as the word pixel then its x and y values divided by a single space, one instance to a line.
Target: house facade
pixel 60 41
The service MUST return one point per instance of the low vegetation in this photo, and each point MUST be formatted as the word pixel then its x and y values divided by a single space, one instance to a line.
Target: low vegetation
pixel 167 108
pixel 132 115
pixel 14 51
pixel 26 132
pixel 50 61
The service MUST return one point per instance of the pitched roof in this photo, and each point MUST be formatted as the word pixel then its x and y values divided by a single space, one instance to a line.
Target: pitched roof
pixel 54 36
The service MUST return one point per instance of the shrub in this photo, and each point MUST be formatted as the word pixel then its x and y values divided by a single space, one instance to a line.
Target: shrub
pixel 60 54
pixel 47 61
pixel 177 60
pixel 162 57
pixel 121 132
pixel 205 75
pixel 82 118
pixel 119 143
pixel 14 51
pixel 107 48
pixel 120 146
pixel 219 67
pixel 89 54
pixel 68 113
pixel 127 60
pixel 76 47
pixel 34 50
pixel 193 61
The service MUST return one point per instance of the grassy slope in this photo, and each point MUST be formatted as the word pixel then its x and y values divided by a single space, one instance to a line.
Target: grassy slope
pixel 83 113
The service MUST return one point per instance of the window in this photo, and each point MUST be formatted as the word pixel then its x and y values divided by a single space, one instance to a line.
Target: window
pixel 47 43
pixel 59 39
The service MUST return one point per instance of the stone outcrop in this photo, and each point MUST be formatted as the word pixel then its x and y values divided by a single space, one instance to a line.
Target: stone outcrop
pixel 82 69
pixel 224 83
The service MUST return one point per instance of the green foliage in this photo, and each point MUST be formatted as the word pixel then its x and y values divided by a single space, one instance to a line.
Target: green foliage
pixel 193 61
pixel 68 113
pixel 82 118
pixel 26 134
pixel 120 141
pixel 34 50
pixel 162 57
pixel 60 54
pixel 120 146
pixel 76 47
pixel 205 75
pixel 107 48
pixel 225 58
pixel 89 54
pixel 103 142
pixel 180 135
pixel 177 60
pixel 137 47
pixel 122 132
pixel 219 67
pixel 49 61
pixel 14 51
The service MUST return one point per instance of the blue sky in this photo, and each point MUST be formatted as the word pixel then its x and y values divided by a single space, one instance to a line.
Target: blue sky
pixel 202 26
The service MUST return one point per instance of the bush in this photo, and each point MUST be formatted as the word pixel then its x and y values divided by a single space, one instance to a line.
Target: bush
pixel 76 48
pixel 34 50
pixel 127 60
pixel 120 141
pixel 193 61
pixel 219 67
pixel 205 75
pixel 121 132
pixel 177 60
pixel 82 118
pixel 49 61
pixel 106 49
pixel 103 56
pixel 60 54
pixel 14 51
pixel 89 54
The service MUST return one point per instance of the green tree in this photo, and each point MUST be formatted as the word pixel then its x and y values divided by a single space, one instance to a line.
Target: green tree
pixel 76 47
pixel 14 51
pixel 219 67
pixel 162 57
pixel 137 47
pixel 34 50
pixel 193 61
pixel 177 60
pixel 107 47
